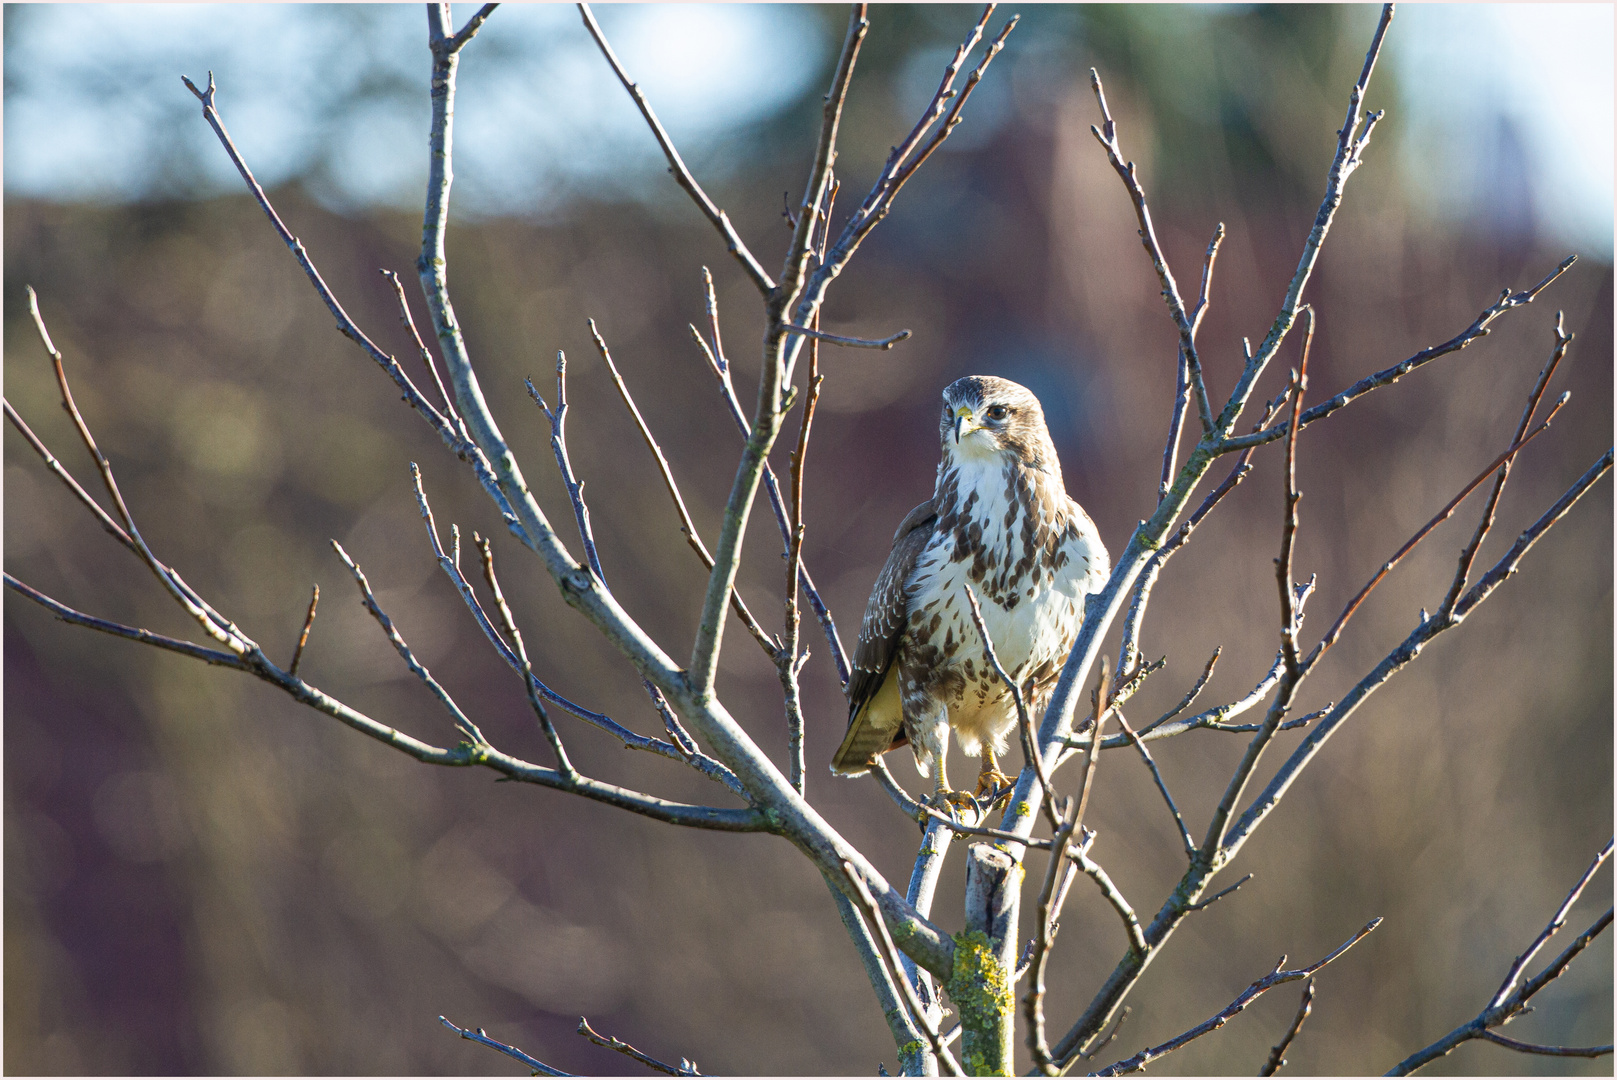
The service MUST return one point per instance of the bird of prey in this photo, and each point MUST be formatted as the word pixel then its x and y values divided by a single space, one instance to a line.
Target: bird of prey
pixel 1001 522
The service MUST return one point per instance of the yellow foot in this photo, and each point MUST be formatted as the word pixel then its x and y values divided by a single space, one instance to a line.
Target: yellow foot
pixel 991 779
pixel 945 799
pixel 993 784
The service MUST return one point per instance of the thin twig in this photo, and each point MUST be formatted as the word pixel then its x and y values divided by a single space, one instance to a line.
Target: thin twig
pixel 426 356
pixel 1288 532
pixel 1386 377
pixel 1195 691
pixel 943 113
pixel 1129 648
pixel 1403 654
pixel 479 1036
pixel 1170 288
pixel 1248 996
pixel 1079 853
pixel 1468 554
pixel 473 25
pixel 145 637
pixel 1508 563
pixel 1549 931
pixel 721 371
pixel 676 164
pixel 1292 675
pixel 1353 137
pixel 452 437
pixel 924 815
pixel 684 1068
pixel 1024 721
pixel 851 342
pixel 529 683
pixel 467 728
pixel 1277 1056
pixel 1116 1027
pixel 1548 1051
pixel 303 638
pixel 1045 923
pixel 558 445
pixel 213 624
pixel 450 564
pixel 1097 736
pixel 686 526
pixel 1442 515
pixel 1221 894
pixel 1162 786
pixel 59 470
pixel 1511 1001
pixel 872 916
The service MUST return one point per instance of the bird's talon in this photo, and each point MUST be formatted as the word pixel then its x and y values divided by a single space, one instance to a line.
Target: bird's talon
pixel 949 799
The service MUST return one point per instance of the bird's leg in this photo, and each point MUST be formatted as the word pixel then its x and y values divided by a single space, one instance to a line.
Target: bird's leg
pixel 943 796
pixel 989 778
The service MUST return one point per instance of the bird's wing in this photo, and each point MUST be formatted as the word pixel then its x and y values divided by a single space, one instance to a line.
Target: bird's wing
pixel 875 723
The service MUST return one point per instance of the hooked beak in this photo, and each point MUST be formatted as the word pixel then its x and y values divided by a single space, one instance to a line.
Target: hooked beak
pixel 964 423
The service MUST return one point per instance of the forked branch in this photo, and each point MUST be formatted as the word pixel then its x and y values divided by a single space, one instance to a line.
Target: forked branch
pixel 1279 975
pixel 1512 1000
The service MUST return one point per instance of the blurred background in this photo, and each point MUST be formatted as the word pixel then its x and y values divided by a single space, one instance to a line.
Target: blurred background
pixel 201 877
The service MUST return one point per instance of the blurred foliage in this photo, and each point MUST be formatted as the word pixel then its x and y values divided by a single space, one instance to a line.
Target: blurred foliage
pixel 201 877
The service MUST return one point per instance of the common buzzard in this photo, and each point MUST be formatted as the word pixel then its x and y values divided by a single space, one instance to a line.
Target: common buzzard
pixel 999 519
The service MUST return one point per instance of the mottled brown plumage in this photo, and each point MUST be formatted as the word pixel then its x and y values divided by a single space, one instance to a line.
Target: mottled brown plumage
pixel 999 519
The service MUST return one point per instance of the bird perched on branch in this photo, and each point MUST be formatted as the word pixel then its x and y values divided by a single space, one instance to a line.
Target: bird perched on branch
pixel 1001 522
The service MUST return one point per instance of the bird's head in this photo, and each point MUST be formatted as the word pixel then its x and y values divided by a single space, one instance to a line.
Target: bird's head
pixel 986 417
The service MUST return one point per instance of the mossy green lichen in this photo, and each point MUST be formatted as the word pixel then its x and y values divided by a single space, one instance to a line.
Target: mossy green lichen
pixel 910 1054
pixel 981 992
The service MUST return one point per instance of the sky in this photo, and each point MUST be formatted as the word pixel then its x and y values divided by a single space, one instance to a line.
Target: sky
pixel 1496 95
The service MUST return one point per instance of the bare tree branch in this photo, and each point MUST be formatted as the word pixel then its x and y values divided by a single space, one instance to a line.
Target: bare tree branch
pixel 426 356
pixel 1469 553
pixel 687 526
pixel 1045 922
pixel 480 1036
pixel 529 683
pixel 1477 330
pixel 467 450
pixel 473 25
pixel 1401 656
pixel 1502 462
pixel 721 370
pixel 1156 774
pixel 684 1068
pixel 1352 139
pixel 467 728
pixel 145 637
pixel 1547 1051
pixel 1277 1056
pixel 213 624
pixel 889 953
pixel 1511 1001
pixel 450 564
pixel 1139 1061
pixel 303 638
pixel 1188 359
pixel 905 159
pixel 851 342
pixel 676 164
pixel 1202 905
pixel 1181 398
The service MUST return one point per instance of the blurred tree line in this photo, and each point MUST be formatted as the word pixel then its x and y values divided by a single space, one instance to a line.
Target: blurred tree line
pixel 200 877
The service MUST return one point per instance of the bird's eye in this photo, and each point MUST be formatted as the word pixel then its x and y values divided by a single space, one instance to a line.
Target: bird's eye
pixel 997 412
